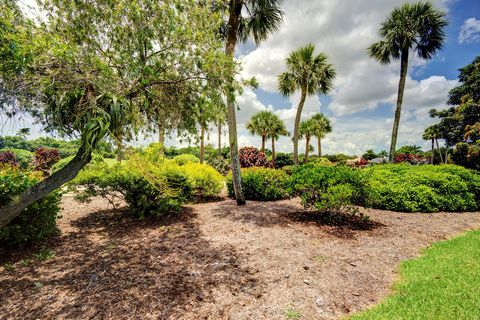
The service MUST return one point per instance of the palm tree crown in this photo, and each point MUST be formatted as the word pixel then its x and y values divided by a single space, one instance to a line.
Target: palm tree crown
pixel 307 70
pixel 309 73
pixel 259 125
pixel 418 26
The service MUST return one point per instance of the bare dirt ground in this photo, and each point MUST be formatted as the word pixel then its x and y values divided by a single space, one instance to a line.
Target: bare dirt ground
pixel 214 261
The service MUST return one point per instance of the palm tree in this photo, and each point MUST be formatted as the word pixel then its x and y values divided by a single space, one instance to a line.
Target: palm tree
pixel 276 128
pixel 307 130
pixel 259 124
pixel 418 26
pixel 321 126
pixel 309 73
pixel 258 18
pixel 220 120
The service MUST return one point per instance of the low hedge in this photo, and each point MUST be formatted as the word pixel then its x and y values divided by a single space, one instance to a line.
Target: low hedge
pixel 36 222
pixel 424 188
pixel 260 183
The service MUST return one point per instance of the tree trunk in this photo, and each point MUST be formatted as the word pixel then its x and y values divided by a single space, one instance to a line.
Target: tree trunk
pixel 297 124
pixel 44 187
pixel 219 138
pixel 118 142
pixel 264 138
pixel 232 27
pixel 439 151
pixel 273 152
pixel 398 111
pixel 446 153
pixel 307 149
pixel 161 139
pixel 433 149
pixel 319 146
pixel 202 144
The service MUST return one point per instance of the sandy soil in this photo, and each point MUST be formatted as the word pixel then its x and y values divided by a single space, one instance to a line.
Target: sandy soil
pixel 215 261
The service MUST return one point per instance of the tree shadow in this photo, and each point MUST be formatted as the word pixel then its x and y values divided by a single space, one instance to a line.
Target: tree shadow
pixel 267 214
pixel 113 266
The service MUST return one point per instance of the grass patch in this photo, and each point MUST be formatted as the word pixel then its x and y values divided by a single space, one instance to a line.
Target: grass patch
pixel 442 284
pixel 292 314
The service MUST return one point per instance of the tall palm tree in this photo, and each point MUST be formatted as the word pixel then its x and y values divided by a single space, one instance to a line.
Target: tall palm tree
pixel 321 126
pixel 259 124
pixel 257 18
pixel 430 133
pixel 307 130
pixel 309 73
pixel 276 128
pixel 413 26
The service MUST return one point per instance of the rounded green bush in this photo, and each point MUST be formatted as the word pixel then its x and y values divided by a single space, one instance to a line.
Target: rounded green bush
pixel 185 158
pixel 425 188
pixel 36 222
pixel 206 181
pixel 261 184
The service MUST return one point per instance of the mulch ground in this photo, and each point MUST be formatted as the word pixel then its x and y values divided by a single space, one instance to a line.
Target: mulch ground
pixel 214 261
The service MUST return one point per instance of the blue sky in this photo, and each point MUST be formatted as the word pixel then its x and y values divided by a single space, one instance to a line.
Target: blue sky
pixel 361 105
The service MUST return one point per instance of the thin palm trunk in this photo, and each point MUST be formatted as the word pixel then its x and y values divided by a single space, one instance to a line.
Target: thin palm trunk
pixel 297 124
pixel 446 154
pixel 219 137
pixel 202 143
pixel 264 139
pixel 273 152
pixel 319 146
pixel 44 187
pixel 307 149
pixel 161 139
pixel 233 22
pixel 439 151
pixel 433 149
pixel 119 151
pixel 398 111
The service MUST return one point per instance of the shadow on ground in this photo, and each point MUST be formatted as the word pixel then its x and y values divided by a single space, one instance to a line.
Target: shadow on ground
pixel 268 214
pixel 112 266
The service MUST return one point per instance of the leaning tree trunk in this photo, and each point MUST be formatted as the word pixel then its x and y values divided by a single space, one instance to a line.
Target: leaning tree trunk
pixel 273 152
pixel 297 124
pixel 398 111
pixel 439 151
pixel 307 149
pixel 264 138
pixel 219 138
pixel 202 144
pixel 319 146
pixel 44 187
pixel 433 149
pixel 232 27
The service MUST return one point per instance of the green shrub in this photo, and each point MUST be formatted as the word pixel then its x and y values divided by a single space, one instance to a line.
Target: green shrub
pixel 423 188
pixel 327 189
pixel 220 164
pixel 36 222
pixel 323 162
pixel 261 184
pixel 185 158
pixel 62 163
pixel 24 158
pixel 288 169
pixel 145 189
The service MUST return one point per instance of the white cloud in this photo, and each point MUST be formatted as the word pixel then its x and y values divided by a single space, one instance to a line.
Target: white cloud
pixel 470 31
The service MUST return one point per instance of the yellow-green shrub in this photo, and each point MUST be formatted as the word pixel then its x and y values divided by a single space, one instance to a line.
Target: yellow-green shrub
pixel 185 158
pixel 261 184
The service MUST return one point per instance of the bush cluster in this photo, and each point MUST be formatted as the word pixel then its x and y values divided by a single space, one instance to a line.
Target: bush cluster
pixel 252 157
pixel 149 188
pixel 261 184
pixel 409 158
pixel 37 221
pixel 23 158
pixel 424 188
pixel 185 158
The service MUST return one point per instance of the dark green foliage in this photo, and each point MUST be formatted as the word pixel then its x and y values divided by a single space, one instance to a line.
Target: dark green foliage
pixel 327 188
pixel 261 184
pixel 339 157
pixel 37 221
pixel 423 188
pixel 220 164
pixel 283 159
pixel 467 155
pixel 416 150
pixel 369 155
pixel 470 84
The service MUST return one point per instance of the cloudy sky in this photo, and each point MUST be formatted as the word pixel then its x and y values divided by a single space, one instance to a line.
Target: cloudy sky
pixel 362 104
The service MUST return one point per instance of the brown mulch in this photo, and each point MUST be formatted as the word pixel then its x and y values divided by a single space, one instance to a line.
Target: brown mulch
pixel 215 261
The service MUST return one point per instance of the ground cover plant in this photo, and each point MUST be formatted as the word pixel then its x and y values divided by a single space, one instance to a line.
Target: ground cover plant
pixel 423 188
pixel 443 284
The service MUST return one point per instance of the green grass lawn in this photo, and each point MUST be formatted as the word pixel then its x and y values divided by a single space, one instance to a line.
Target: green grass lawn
pixel 442 284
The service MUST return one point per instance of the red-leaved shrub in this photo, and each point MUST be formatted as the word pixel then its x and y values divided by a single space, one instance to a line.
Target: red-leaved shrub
pixel 45 158
pixel 8 157
pixel 252 157
pixel 409 158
